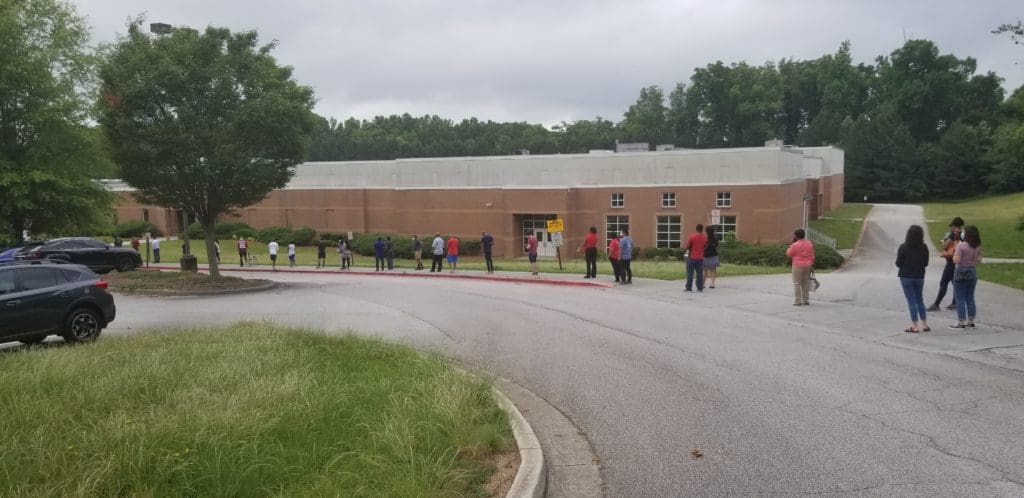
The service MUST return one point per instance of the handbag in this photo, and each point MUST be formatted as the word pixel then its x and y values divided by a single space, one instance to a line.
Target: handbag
pixel 813 281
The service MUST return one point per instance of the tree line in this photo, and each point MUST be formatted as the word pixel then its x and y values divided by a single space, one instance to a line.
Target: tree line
pixel 917 124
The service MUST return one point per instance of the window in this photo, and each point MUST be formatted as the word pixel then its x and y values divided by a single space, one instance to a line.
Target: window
pixel 39 278
pixel 6 281
pixel 614 225
pixel 724 200
pixel 669 231
pixel 728 226
pixel 618 200
pixel 668 199
pixel 145 215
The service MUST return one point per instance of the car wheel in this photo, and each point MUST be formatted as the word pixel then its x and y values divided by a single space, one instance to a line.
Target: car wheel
pixel 36 339
pixel 83 325
pixel 124 263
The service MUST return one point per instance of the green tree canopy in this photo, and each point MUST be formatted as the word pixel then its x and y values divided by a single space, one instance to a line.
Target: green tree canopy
pixel 47 154
pixel 202 121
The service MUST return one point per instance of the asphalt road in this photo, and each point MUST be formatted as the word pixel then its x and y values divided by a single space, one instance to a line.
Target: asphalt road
pixel 828 398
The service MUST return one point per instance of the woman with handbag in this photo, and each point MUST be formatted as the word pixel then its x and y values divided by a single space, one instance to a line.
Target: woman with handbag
pixel 967 257
pixel 912 259
pixel 801 251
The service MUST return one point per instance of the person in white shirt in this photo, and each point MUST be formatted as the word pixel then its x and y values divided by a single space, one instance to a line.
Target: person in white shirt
pixel 272 247
pixel 437 250
pixel 291 254
pixel 155 244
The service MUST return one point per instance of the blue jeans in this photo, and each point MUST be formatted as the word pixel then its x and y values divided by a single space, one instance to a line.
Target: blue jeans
pixel 694 266
pixel 913 289
pixel 963 292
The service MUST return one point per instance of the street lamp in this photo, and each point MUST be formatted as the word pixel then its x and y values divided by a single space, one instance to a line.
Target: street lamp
pixel 807 197
pixel 188 262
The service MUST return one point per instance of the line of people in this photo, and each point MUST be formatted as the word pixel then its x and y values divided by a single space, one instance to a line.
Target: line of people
pixel 961 250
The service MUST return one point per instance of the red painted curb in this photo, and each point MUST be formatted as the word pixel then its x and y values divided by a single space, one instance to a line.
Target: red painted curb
pixel 412 273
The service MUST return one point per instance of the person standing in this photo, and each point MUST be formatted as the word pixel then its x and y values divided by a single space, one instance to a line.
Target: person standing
pixel 626 257
pixel 487 245
pixel 321 253
pixel 711 257
pixel 291 254
pixel 216 249
pixel 156 249
pixel 135 243
pixel 949 241
pixel 912 259
pixel 453 253
pixel 589 248
pixel 243 250
pixel 389 252
pixel 613 257
pixel 346 254
pixel 379 249
pixel 272 248
pixel 417 251
pixel 967 257
pixel 695 245
pixel 118 242
pixel 801 252
pixel 531 251
pixel 437 252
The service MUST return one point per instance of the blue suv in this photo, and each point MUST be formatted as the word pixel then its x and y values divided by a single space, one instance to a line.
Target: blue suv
pixel 45 297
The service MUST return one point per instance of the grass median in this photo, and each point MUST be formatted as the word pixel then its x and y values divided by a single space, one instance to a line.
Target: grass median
pixel 843 224
pixel 996 217
pixel 249 410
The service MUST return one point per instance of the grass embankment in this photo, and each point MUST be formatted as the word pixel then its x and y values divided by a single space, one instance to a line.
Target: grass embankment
pixel 250 410
pixel 175 282
pixel 170 252
pixel 996 219
pixel 843 224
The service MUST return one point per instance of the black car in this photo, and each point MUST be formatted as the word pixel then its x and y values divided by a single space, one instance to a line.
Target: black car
pixel 98 256
pixel 45 297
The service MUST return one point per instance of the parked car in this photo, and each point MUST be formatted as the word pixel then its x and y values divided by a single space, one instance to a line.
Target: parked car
pixel 98 256
pixel 11 253
pixel 40 298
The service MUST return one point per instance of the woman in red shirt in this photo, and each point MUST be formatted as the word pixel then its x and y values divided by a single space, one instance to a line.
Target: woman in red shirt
pixel 613 257
pixel 589 247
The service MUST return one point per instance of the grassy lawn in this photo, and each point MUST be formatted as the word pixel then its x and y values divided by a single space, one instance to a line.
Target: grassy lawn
pixel 1008 274
pixel 170 252
pixel 843 224
pixel 996 218
pixel 249 410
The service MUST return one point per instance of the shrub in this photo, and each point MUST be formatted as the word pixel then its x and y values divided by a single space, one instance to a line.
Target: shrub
pixel 136 228
pixel 305 237
pixel 826 257
pixel 740 253
pixel 233 228
pixel 280 234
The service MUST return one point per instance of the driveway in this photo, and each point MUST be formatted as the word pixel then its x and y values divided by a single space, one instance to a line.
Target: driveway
pixel 828 398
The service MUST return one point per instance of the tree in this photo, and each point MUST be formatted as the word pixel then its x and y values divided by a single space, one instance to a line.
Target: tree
pixel 205 122
pixel 1016 32
pixel 46 151
pixel 880 160
pixel 645 120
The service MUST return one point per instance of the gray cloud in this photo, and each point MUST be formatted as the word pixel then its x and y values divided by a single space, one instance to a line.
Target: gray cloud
pixel 544 61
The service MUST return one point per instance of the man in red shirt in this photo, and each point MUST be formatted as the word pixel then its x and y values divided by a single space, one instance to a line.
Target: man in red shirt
pixel 695 245
pixel 589 247
pixel 453 253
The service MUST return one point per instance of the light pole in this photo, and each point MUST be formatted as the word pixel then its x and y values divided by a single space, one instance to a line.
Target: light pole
pixel 807 197
pixel 188 262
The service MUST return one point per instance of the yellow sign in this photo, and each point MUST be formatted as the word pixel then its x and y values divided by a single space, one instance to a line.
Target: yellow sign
pixel 555 225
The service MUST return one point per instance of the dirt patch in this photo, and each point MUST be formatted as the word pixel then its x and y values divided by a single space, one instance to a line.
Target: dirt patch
pixel 172 283
pixel 506 464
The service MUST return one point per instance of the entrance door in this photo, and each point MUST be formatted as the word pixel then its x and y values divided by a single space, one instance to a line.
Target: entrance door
pixel 545 248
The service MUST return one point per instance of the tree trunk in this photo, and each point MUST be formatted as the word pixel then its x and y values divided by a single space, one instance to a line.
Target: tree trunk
pixel 211 248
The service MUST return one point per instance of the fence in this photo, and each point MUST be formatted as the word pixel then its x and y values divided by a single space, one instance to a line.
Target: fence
pixel 820 238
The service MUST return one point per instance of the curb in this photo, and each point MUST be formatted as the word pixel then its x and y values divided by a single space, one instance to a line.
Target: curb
pixel 414 273
pixel 531 478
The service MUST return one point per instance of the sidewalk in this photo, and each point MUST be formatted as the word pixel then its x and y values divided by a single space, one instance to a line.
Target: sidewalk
pixel 563 279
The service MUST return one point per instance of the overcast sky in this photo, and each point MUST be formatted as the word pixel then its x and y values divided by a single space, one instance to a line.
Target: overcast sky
pixel 545 61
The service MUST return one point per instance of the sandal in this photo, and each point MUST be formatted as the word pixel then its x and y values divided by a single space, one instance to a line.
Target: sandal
pixel 958 326
pixel 926 329
pixel 911 330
